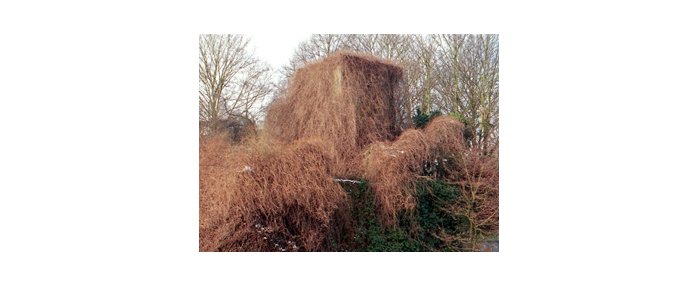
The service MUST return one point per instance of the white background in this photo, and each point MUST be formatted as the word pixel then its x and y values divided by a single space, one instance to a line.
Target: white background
pixel 99 149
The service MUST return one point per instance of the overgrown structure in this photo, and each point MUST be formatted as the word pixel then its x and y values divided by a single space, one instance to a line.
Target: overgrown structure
pixel 347 99
pixel 281 191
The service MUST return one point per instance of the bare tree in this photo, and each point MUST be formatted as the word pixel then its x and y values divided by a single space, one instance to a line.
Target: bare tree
pixel 454 73
pixel 465 78
pixel 480 75
pixel 424 57
pixel 316 47
pixel 450 83
pixel 232 82
pixel 387 46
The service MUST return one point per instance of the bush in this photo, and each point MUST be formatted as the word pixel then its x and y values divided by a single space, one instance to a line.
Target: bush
pixel 468 132
pixel 423 229
pixel 263 196
pixel 235 128
pixel 435 222
pixel 421 119
pixel 369 233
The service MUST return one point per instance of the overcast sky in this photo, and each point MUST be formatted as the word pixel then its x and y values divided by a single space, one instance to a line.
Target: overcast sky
pixel 276 49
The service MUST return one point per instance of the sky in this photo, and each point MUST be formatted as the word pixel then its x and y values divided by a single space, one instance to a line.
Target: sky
pixel 276 49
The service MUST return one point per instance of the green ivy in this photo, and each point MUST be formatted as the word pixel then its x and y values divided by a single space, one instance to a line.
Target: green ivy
pixel 415 231
pixel 421 119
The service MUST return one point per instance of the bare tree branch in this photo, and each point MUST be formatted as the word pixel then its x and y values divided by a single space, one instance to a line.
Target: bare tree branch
pixel 232 82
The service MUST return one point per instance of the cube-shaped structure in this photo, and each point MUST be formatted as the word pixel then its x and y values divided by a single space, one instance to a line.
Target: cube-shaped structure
pixel 348 99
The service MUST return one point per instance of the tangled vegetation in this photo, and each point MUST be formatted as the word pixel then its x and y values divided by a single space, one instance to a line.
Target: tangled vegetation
pixel 333 172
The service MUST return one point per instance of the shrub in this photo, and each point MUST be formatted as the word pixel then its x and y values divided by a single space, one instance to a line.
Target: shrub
pixel 262 196
pixel 420 230
pixel 368 232
pixel 235 128
pixel 421 119
pixel 277 191
pixel 435 222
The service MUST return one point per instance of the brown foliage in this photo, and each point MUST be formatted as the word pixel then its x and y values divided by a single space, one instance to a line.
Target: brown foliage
pixel 235 127
pixel 277 192
pixel 481 177
pixel 446 136
pixel 446 133
pixel 391 169
pixel 346 99
pixel 268 197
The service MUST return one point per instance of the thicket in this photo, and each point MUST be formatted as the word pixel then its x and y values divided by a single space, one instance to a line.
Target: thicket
pixel 420 230
pixel 291 188
pixel 453 211
pixel 288 212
